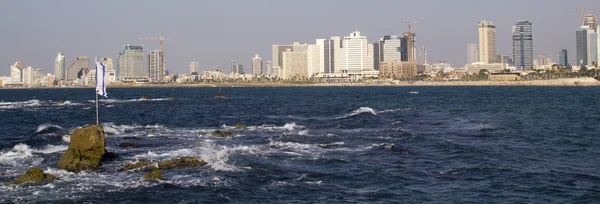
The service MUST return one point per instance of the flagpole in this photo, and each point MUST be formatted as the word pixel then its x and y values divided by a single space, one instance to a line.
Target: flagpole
pixel 96 92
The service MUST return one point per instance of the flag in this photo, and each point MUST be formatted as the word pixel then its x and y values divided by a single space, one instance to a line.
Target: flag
pixel 100 81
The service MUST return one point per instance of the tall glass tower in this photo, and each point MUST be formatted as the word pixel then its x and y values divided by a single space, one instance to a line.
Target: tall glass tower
pixel 523 45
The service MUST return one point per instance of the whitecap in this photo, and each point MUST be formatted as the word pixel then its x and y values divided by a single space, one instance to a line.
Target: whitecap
pixel 50 149
pixel 359 111
pixel 47 126
pixel 19 155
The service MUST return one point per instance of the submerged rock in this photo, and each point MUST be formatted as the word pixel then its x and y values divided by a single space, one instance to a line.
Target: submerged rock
pixel 185 162
pixel 33 175
pixel 60 102
pixel 145 97
pixel 86 149
pixel 171 98
pixel 155 174
pixel 137 165
pixel 223 134
pixel 240 126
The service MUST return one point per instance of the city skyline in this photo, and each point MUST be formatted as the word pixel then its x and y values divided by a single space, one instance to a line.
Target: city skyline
pixel 192 38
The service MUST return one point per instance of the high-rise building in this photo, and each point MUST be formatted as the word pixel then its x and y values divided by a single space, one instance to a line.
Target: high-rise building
pixel 257 68
pixel 409 47
pixel 522 36
pixel 28 76
pixel 564 58
pixel 472 54
pixel 313 60
pixel 131 63
pixel 231 66
pixel 355 55
pixel 155 66
pixel 239 69
pixel 388 48
pixel 592 48
pixel 326 55
pixel 16 72
pixel 582 45
pixel 591 20
pixel 268 67
pixel 277 54
pixel 78 68
pixel 295 64
pixel 193 67
pixel 59 67
pixel 487 42
pixel 337 54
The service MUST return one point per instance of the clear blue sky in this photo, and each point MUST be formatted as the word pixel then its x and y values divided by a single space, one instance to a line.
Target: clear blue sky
pixel 214 32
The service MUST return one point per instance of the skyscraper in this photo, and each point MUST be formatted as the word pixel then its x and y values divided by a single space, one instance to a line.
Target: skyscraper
pixel 355 56
pixel 591 20
pixel 564 58
pixel 131 63
pixel 16 72
pixel 472 54
pixel 326 55
pixel 313 60
pixel 155 66
pixel 337 54
pixel 409 46
pixel 277 57
pixel 193 67
pixel 587 46
pixel 59 67
pixel 487 42
pixel 256 65
pixel 523 44
pixel 388 49
pixel 295 64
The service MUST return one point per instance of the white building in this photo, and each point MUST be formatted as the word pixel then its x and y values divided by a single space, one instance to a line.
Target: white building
pixel 294 65
pixel 111 75
pixel 257 68
pixel 268 68
pixel 155 66
pixel 487 42
pixel 193 67
pixel 472 56
pixel 313 60
pixel 326 55
pixel 337 54
pixel 277 57
pixel 16 73
pixel 28 78
pixel 490 67
pixel 59 67
pixel 355 55
pixel 131 63
pixel 391 49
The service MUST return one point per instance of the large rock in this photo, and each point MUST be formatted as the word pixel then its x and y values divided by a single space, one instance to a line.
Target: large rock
pixel 33 175
pixel 86 149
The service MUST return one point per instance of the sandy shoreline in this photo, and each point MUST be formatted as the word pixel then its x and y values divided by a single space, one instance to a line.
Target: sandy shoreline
pixel 549 82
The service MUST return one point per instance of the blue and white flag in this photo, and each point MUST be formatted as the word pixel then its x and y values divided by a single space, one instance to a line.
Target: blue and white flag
pixel 100 82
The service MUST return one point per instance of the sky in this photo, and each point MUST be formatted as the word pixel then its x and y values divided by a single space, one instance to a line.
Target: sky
pixel 214 32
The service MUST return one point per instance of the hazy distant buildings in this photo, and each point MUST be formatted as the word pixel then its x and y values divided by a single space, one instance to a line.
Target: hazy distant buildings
pixel 28 76
pixel 337 54
pixel 587 46
pixel 591 20
pixel 78 68
pixel 563 58
pixel 295 64
pixel 131 63
pixel 355 55
pixel 194 67
pixel 59 67
pixel 268 67
pixel 155 66
pixel 472 54
pixel 522 37
pixel 277 57
pixel 257 65
pixel 487 42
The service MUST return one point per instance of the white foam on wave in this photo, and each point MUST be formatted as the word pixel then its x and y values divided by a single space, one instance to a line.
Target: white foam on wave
pixel 66 138
pixel 120 129
pixel 18 156
pixel 18 104
pixel 128 100
pixel 46 126
pixel 51 149
pixel 303 132
pixel 269 127
pixel 293 147
pixel 359 111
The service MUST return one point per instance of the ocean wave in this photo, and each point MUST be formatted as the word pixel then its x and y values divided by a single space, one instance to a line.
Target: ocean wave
pixel 19 104
pixel 19 155
pixel 47 128
pixel 288 126
pixel 128 100
pixel 51 149
pixel 359 111
pixel 112 128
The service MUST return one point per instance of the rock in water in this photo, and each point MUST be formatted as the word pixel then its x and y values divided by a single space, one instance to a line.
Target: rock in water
pixel 33 175
pixel 223 134
pixel 155 174
pixel 240 126
pixel 85 151
pixel 185 162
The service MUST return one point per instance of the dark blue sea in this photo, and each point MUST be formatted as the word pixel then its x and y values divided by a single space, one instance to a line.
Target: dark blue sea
pixel 314 144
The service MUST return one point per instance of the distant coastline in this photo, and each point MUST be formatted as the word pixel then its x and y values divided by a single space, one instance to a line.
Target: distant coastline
pixel 548 82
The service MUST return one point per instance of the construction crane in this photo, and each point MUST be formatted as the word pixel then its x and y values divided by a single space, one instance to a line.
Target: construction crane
pixel 160 38
pixel 581 14
pixel 410 22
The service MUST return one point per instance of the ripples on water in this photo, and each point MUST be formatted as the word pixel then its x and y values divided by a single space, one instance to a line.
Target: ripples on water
pixel 315 145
